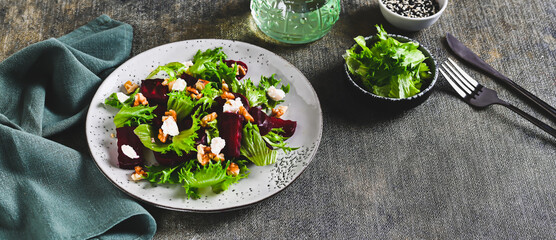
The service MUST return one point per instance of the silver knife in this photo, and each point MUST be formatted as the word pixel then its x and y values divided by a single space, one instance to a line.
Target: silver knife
pixel 468 56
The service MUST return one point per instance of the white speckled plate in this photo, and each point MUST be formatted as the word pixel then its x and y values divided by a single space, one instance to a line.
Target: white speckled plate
pixel 263 182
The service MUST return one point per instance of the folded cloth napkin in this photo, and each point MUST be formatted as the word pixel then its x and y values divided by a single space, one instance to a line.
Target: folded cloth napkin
pixel 51 188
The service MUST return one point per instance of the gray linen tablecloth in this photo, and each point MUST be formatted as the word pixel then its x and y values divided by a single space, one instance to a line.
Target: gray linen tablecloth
pixel 441 170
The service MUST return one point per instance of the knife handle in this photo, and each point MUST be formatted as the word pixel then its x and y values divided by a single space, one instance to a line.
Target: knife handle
pixel 542 104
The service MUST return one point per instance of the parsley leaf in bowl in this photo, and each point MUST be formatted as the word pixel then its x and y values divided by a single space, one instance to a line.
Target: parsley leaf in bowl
pixel 389 68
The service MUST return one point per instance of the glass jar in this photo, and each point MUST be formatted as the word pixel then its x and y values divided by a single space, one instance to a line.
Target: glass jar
pixel 295 21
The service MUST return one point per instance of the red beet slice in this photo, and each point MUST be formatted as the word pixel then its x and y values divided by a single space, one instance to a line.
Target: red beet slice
pixel 230 126
pixel 261 119
pixel 190 80
pixel 287 125
pixel 154 91
pixel 126 136
pixel 230 63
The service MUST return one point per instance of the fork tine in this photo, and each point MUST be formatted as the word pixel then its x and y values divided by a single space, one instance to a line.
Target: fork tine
pixel 465 75
pixel 460 78
pixel 456 79
pixel 454 85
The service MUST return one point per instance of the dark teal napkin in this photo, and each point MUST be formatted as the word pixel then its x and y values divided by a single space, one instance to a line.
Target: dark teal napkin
pixel 51 188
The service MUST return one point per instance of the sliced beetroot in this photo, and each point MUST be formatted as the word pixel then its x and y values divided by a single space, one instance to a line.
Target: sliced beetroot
pixel 230 126
pixel 126 136
pixel 261 120
pixel 287 125
pixel 230 63
pixel 159 112
pixel 244 100
pixel 190 80
pixel 171 159
pixel 154 91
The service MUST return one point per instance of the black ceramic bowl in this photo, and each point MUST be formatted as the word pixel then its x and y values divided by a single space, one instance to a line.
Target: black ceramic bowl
pixel 395 104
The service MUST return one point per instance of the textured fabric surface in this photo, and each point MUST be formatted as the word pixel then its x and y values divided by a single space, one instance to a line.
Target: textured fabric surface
pixel 441 170
pixel 51 186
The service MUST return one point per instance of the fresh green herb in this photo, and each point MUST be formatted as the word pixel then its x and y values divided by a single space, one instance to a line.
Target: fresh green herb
pixel 173 69
pixel 113 100
pixel 180 102
pixel 161 174
pixel 257 94
pixel 134 116
pixel 274 139
pixel 389 68
pixel 253 146
pixel 200 177
pixel 182 143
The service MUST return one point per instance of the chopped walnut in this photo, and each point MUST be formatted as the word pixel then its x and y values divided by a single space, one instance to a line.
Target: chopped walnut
pixel 241 70
pixel 170 113
pixel 138 174
pixel 196 96
pixel 200 84
pixel 227 95
pixel 243 111
pixel 201 156
pixel 140 100
pixel 130 87
pixel 162 136
pixel 204 155
pixel 225 87
pixel 233 169
pixel 192 90
pixel 279 111
pixel 208 118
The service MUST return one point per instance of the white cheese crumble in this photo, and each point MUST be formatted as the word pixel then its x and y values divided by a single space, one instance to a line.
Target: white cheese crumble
pixel 136 177
pixel 232 105
pixel 188 63
pixel 275 94
pixel 170 127
pixel 217 144
pixel 179 85
pixel 122 97
pixel 129 151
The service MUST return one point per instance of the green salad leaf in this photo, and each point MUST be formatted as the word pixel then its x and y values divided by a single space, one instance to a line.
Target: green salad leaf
pixel 182 143
pixel 173 69
pixel 257 94
pixel 161 174
pixel 389 68
pixel 253 146
pixel 134 116
pixel 205 176
pixel 180 102
pixel 113 100
pixel 274 139
pixel 203 61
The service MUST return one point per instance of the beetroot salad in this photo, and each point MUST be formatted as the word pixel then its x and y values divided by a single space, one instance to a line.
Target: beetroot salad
pixel 204 122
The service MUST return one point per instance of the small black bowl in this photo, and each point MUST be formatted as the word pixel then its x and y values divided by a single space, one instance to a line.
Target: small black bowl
pixel 395 104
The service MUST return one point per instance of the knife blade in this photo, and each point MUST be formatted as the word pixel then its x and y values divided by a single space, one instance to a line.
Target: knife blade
pixel 470 57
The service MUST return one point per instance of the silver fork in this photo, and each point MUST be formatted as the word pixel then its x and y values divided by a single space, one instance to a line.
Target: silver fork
pixel 480 96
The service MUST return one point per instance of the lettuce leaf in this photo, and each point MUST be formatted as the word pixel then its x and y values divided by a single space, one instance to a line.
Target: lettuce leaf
pixel 205 176
pixel 113 100
pixel 180 102
pixel 276 140
pixel 389 68
pixel 182 143
pixel 134 116
pixel 173 69
pixel 256 95
pixel 253 146
pixel 203 61
pixel 160 174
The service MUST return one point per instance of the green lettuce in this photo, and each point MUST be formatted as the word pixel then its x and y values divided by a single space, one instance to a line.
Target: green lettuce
pixel 274 139
pixel 113 100
pixel 180 102
pixel 256 95
pixel 134 116
pixel 253 146
pixel 389 68
pixel 182 143
pixel 173 69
